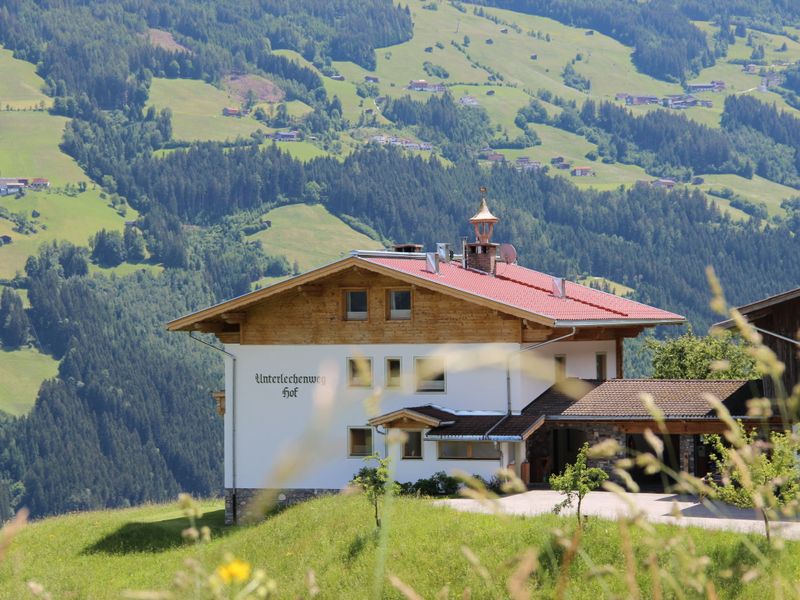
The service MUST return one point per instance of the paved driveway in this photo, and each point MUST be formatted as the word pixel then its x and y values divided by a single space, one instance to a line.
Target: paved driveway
pixel 657 508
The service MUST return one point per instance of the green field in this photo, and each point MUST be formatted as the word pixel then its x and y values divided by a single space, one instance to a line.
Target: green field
pixel 197 110
pixel 756 189
pixel 310 235
pixel 101 554
pixel 21 373
pixel 29 148
pixel 74 219
pixel 21 87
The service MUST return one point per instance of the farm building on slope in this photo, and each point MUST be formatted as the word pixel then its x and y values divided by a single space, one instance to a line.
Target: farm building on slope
pixel 482 363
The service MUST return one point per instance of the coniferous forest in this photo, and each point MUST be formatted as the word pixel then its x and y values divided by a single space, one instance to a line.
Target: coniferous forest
pixel 128 418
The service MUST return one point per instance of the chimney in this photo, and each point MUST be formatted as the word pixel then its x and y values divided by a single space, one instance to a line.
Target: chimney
pixel 443 250
pixel 432 262
pixel 559 287
pixel 407 247
pixel 481 255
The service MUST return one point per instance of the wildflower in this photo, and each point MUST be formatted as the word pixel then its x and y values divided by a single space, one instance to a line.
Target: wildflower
pixel 236 570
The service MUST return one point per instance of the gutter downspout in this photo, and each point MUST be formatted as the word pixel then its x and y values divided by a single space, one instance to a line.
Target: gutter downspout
pixel 233 421
pixel 508 380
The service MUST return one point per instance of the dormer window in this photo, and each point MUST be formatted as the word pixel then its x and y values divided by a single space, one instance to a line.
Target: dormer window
pixel 356 305
pixel 399 303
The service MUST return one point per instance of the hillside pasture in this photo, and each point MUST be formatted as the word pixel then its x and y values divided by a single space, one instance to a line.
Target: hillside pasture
pixel 62 217
pixel 310 235
pixel 756 190
pixel 22 372
pixel 263 90
pixel 197 110
pixel 29 148
pixel 21 87
pixel 101 554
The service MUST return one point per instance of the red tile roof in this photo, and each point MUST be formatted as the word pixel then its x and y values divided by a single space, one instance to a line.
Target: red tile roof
pixel 532 291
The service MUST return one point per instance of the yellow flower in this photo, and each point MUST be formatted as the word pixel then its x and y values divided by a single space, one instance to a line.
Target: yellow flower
pixel 235 570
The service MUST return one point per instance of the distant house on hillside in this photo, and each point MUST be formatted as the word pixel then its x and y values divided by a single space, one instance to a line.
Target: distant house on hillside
pixel 752 69
pixel 564 166
pixel 230 111
pixel 372 79
pixel 556 160
pixel 582 172
pixel 287 136
pixel 468 101
pixel 714 86
pixel 496 157
pixel 640 100
pixel 622 96
pixel 666 184
pixel 679 101
pixel 39 183
pixel 421 85
pixel 524 163
pixel 337 77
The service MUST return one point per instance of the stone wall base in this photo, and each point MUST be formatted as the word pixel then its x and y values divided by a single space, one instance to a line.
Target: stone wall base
pixel 251 504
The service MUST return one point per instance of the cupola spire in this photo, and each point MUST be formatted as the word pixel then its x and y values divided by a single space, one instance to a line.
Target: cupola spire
pixel 481 255
pixel 483 221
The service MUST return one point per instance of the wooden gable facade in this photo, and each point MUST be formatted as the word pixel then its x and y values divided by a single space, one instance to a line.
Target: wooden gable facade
pixel 310 309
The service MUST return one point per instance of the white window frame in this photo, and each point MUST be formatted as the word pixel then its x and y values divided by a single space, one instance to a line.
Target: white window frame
pixel 352 361
pixel 469 445
pixel 421 445
pixel 389 383
pixel 350 453
pixel 356 315
pixel 419 383
pixel 399 314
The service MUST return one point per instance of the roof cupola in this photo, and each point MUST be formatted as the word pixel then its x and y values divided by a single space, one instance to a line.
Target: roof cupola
pixel 481 255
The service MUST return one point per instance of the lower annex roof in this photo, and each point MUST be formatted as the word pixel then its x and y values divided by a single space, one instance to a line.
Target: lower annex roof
pixel 593 400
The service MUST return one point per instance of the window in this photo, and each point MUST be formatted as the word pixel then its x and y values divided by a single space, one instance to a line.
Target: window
pixel 430 374
pixel 412 449
pixel 468 451
pixel 399 304
pixel 356 305
pixel 602 366
pixel 359 441
pixel 561 367
pixel 393 373
pixel 359 372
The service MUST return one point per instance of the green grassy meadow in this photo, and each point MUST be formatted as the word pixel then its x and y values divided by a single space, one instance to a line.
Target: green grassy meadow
pixel 22 87
pixel 29 148
pixel 73 219
pixel 310 235
pixel 197 110
pixel 21 373
pixel 102 554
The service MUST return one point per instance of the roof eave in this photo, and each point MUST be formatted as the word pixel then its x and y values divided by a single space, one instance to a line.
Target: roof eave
pixel 679 320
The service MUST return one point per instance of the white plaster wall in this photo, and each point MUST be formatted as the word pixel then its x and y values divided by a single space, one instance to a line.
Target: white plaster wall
pixel 306 435
pixel 538 369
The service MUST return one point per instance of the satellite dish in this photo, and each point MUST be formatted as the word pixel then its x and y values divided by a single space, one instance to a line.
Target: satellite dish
pixel 508 254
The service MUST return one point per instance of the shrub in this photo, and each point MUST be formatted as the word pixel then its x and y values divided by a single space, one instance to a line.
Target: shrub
pixel 438 484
